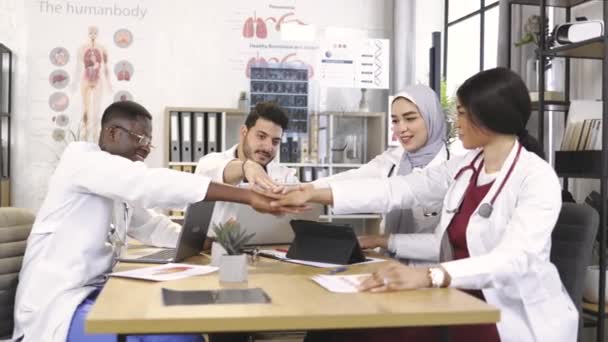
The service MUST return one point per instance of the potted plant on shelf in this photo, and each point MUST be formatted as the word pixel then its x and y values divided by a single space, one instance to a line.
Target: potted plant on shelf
pixel 554 68
pixel 233 264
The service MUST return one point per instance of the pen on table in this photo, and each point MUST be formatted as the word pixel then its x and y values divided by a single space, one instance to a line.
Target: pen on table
pixel 337 270
pixel 281 250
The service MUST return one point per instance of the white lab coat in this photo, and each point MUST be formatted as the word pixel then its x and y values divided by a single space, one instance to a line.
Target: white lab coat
pixel 380 167
pixel 68 252
pixel 509 250
pixel 212 165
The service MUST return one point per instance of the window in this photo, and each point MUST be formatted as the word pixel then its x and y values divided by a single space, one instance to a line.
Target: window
pixel 471 38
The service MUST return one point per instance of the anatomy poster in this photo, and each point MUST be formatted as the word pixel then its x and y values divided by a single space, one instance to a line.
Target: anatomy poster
pixel 84 54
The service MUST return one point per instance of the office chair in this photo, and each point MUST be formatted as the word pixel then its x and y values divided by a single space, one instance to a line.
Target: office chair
pixel 571 248
pixel 15 226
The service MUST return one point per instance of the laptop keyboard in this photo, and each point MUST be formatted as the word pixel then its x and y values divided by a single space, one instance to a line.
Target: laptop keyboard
pixel 164 254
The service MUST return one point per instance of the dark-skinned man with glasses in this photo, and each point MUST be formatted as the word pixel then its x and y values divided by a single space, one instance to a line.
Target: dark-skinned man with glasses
pixel 96 192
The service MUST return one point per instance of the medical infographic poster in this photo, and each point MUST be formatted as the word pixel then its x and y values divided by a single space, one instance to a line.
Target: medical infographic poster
pixel 360 63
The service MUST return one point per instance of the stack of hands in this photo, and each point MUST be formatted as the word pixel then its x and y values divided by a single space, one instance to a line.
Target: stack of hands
pixel 270 197
pixel 277 199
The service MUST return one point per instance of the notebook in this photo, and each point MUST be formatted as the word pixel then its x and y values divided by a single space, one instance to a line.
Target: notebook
pixel 191 238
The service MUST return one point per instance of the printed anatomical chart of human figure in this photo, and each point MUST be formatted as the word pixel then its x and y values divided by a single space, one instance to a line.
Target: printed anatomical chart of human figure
pixel 92 74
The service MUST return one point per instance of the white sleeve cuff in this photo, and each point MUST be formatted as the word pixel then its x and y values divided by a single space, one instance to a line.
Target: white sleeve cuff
pixel 391 244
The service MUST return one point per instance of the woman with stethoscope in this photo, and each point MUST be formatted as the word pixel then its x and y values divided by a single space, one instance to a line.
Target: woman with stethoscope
pixel 419 124
pixel 500 204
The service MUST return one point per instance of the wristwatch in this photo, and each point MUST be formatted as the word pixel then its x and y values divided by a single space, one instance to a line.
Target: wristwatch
pixel 437 276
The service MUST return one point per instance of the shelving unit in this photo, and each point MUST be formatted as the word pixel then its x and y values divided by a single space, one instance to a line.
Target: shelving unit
pixel 372 126
pixel 6 74
pixel 579 164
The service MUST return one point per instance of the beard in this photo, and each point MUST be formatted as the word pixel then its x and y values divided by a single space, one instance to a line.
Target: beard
pixel 251 154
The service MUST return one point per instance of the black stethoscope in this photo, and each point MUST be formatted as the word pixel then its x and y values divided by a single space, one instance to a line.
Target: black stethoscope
pixel 485 210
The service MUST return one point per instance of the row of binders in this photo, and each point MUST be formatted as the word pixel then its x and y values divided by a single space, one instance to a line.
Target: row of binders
pixel 193 135
pixel 583 136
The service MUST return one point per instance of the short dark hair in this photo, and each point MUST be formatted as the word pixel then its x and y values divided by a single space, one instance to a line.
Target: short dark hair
pixel 498 100
pixel 269 111
pixel 126 110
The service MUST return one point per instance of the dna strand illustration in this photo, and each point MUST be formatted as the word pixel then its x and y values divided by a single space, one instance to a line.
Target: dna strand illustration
pixel 378 63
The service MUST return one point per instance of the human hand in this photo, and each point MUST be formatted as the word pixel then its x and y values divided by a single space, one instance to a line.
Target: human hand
pixel 257 177
pixel 396 277
pixel 295 198
pixel 373 241
pixel 287 188
pixel 261 202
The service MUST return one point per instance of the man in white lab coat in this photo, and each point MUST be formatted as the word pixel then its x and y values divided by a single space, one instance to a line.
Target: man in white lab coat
pixel 72 246
pixel 252 160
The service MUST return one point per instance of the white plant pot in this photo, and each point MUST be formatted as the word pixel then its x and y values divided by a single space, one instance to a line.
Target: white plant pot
pixel 592 284
pixel 233 268
pixel 216 253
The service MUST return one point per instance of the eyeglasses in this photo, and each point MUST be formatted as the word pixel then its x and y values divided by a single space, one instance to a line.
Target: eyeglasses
pixel 142 140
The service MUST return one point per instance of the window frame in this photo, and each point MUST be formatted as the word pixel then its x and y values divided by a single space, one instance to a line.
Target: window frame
pixel 483 8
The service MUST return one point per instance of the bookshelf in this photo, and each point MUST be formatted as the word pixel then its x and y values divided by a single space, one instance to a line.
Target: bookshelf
pixel 319 159
pixel 578 164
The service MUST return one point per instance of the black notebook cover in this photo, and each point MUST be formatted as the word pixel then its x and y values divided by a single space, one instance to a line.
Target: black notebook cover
pixel 222 296
pixel 324 242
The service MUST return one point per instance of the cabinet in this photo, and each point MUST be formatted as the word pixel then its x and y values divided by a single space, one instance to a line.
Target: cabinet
pixel 6 71
pixel 336 142
pixel 580 164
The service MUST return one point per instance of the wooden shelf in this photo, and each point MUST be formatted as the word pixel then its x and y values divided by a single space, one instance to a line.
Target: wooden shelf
pixel 354 114
pixel 347 165
pixel 553 106
pixel 592 307
pixel 305 165
pixel 553 3
pixel 591 48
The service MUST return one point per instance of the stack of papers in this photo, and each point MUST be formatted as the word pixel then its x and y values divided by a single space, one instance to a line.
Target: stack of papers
pixel 166 272
pixel 340 283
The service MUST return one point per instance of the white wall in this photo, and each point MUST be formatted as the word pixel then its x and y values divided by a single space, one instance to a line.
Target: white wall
pixel 185 53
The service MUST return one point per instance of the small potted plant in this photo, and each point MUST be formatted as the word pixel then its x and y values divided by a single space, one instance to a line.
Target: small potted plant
pixel 233 265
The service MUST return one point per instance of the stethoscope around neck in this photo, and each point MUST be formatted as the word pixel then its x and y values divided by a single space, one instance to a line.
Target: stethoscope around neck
pixel 485 209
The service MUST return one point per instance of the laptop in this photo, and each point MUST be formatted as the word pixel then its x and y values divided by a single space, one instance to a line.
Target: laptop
pixel 270 229
pixel 190 240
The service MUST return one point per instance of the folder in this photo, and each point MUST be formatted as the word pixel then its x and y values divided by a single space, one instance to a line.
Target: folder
pixel 295 151
pixel 212 124
pixel 307 175
pixel 176 149
pixel 199 136
pixel 186 136
pixel 288 150
pixel 324 242
pixel 284 154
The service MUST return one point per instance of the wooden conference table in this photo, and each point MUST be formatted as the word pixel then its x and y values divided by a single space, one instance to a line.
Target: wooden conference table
pixel 127 306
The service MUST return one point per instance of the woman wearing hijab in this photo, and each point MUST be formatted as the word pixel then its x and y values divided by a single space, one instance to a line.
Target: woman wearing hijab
pixel 419 123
